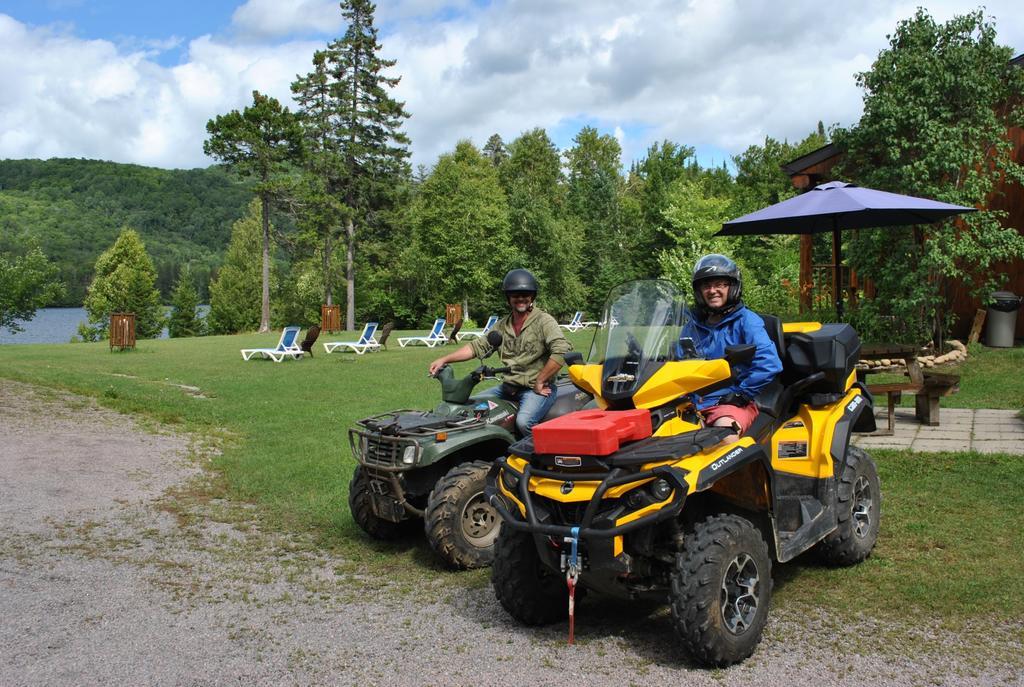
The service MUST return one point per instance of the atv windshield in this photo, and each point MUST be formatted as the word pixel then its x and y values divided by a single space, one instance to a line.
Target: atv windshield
pixel 640 329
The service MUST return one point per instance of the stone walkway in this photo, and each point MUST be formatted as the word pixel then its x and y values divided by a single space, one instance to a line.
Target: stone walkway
pixel 962 429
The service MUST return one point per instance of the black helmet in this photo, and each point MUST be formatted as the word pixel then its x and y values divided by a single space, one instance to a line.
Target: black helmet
pixel 717 266
pixel 519 281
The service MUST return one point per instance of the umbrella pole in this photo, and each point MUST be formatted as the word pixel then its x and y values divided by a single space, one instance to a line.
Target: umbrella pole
pixel 837 270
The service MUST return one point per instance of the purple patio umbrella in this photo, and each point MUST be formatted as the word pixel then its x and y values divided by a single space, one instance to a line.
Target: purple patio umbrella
pixel 835 206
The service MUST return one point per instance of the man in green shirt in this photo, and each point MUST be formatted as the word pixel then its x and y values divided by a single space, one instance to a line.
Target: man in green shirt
pixel 532 346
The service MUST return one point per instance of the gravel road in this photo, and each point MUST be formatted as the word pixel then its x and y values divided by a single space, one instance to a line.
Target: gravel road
pixel 113 571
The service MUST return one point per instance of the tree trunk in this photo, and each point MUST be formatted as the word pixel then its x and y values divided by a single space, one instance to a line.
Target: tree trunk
pixel 350 276
pixel 328 249
pixel 265 314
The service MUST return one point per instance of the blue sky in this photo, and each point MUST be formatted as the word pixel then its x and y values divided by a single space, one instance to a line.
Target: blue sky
pixel 136 81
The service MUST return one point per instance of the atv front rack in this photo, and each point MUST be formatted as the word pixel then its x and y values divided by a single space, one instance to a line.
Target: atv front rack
pixel 536 515
pixel 381 441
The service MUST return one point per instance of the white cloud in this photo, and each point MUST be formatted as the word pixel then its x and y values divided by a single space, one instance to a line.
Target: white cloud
pixel 270 18
pixel 716 74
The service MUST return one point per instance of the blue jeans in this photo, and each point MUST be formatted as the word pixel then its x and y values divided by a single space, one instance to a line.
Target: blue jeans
pixel 532 406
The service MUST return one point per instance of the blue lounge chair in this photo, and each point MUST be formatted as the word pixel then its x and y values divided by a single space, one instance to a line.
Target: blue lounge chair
pixel 434 338
pixel 574 324
pixel 287 347
pixel 367 341
pixel 491 321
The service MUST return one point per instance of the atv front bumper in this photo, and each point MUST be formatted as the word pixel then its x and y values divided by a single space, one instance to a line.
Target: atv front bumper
pixel 523 510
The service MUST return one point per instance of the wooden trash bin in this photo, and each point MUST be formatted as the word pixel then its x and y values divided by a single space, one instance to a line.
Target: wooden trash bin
pixel 122 330
pixel 453 316
pixel 330 318
pixel 453 313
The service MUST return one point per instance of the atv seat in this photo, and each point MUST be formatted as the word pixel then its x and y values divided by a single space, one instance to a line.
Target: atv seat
pixel 771 399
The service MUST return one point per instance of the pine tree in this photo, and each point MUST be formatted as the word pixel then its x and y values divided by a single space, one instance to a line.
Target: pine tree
pixel 352 125
pixel 234 294
pixel 124 281
pixel 495 151
pixel 257 142
pixel 184 319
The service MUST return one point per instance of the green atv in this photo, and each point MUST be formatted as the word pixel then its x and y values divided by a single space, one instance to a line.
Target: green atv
pixel 428 468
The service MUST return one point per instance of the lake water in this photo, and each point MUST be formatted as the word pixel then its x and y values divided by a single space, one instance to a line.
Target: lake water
pixel 57 325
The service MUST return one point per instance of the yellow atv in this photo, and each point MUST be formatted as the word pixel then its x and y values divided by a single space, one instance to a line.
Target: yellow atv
pixel 639 499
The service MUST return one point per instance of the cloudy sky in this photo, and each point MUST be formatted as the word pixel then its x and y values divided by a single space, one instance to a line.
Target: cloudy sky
pixel 137 80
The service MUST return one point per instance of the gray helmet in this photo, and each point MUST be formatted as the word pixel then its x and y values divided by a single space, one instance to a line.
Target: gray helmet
pixel 519 281
pixel 717 266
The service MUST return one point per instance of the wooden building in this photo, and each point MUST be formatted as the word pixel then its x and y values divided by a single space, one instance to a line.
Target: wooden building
pixel 815 168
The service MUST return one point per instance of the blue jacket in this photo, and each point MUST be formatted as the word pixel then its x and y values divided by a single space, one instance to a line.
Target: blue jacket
pixel 741 326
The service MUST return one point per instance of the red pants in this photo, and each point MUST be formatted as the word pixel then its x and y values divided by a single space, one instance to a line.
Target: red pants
pixel 744 416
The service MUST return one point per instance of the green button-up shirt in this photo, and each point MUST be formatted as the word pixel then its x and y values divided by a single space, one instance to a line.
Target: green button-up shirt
pixel 539 340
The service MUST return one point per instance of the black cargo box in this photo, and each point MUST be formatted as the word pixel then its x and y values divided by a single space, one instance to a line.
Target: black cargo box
pixel 834 349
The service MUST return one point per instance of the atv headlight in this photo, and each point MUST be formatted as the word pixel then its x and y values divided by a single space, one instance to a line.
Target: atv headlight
pixel 509 480
pixel 660 489
pixel 635 499
pixel 409 455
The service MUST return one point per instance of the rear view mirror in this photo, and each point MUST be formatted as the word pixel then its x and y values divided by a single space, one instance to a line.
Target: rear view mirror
pixel 494 339
pixel 739 354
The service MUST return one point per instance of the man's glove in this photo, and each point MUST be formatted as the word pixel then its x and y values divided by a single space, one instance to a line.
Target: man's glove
pixel 734 399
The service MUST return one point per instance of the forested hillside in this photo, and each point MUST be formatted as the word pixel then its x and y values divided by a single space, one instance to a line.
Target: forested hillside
pixel 73 209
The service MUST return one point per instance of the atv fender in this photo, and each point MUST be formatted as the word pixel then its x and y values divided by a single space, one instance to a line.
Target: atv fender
pixel 457 442
pixel 852 419
pixel 729 461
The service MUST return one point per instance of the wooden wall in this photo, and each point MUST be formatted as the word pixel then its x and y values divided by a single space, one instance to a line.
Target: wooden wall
pixel 1009 196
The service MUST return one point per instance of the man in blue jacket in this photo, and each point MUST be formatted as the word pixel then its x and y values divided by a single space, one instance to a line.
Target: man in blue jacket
pixel 720 320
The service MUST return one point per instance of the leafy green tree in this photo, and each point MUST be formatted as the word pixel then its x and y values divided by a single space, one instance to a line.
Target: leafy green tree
pixel 595 188
pixel 760 180
pixel 649 182
pixel 937 105
pixel 124 281
pixel 235 292
pixel 695 212
pixel 27 282
pixel 540 229
pixel 258 142
pixel 185 319
pixel 460 230
pixel 360 153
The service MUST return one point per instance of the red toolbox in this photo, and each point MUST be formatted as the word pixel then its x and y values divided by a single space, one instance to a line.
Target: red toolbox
pixel 591 432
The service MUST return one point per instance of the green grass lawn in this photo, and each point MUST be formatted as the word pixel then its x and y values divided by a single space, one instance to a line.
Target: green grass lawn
pixel 951 535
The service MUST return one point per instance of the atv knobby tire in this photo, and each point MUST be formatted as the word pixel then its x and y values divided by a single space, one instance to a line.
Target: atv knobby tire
pixel 858 511
pixel 461 525
pixel 721 589
pixel 532 593
pixel 359 502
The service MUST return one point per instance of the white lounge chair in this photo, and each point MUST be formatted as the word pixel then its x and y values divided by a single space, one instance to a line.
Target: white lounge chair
pixel 434 338
pixel 367 341
pixel 491 321
pixel 574 324
pixel 590 323
pixel 287 347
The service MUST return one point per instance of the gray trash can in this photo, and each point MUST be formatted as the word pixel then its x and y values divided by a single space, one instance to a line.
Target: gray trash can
pixel 1001 319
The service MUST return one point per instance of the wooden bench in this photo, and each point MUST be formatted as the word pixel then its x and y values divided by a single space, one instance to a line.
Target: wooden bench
pixel 936 385
pixel 926 400
pixel 894 392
